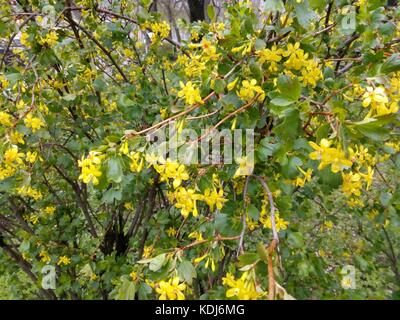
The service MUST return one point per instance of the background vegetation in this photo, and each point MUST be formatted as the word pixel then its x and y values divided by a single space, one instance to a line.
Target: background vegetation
pixel 84 82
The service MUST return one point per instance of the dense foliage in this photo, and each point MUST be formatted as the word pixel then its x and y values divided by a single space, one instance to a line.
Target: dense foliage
pixel 84 83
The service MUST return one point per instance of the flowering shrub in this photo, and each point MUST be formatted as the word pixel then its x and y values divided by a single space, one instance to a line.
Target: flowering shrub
pixel 84 188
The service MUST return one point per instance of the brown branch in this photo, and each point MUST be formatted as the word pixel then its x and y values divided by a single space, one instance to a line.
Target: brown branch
pixel 271 277
pixel 102 48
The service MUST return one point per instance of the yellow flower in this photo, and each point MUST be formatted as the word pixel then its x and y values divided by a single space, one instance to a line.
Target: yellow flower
pixel 245 167
pixel 196 235
pixel 186 201
pixel 90 168
pixel 133 275
pixel 17 137
pixel 280 223
pixel 249 89
pixel 34 219
pixel 148 251
pixel 347 283
pixel 24 39
pixel 164 113
pixel 31 156
pixel 329 156
pixel 270 55
pixel 201 258
pixel 63 260
pixel 50 39
pixel 160 30
pixel 33 122
pixel 171 289
pixel 300 181
pixel 368 177
pixel 243 288
pixel 190 93
pixel 232 84
pixel 12 156
pixel 50 210
pixel 44 256
pixel 137 161
pixel 328 224
pixel 292 49
pixel 214 198
pixel 5 119
pixel 30 192
pixel 374 96
pixel 377 99
pixel 128 206
pixel 351 184
pixel 168 169
pixel 171 232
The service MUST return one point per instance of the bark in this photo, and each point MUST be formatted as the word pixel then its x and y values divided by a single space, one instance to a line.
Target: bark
pixel 196 8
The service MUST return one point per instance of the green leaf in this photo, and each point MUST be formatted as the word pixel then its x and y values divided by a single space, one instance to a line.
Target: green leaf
pixel 211 12
pixel 247 258
pixel 295 240
pixel 114 170
pixel 127 290
pixel 157 262
pixel 304 14
pixel 219 86
pixel 110 195
pixel 187 271
pixel 69 97
pixel 392 64
pixel 289 127
pixel 282 101
pixel 262 252
pixel 273 5
pixel 372 129
pixel 289 87
pixel 253 212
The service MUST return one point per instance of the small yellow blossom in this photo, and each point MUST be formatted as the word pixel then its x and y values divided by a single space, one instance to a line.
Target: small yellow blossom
pixel 190 93
pixel 171 289
pixel 63 260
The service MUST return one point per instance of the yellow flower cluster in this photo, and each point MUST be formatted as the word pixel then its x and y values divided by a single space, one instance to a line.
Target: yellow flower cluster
pixel 24 39
pixel 50 39
pixel 243 288
pixel 90 167
pixel 171 289
pixel 378 101
pixel 329 156
pixel 185 199
pixel 280 223
pixel 306 176
pixel 214 198
pixel 209 51
pixel 63 260
pixel 296 60
pixel 273 56
pixel 33 122
pixel 352 181
pixel 137 161
pixel 168 169
pixel 195 62
pixel 5 119
pixel 210 262
pixel 29 192
pixel 249 90
pixel 12 160
pixel 44 256
pixel 50 210
pixel 190 93
pixel 160 31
